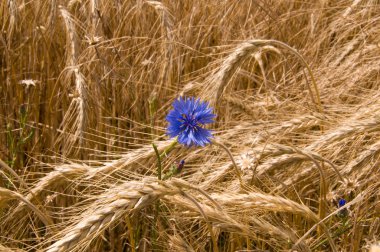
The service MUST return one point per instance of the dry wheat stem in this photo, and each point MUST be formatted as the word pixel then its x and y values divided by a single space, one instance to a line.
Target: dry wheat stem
pixel 13 173
pixel 54 178
pixel 6 194
pixel 71 124
pixel 183 184
pixel 13 18
pixel 286 127
pixel 132 157
pixel 368 125
pixel 237 171
pixel 244 51
pixel 69 172
pixel 8 179
pixel 115 203
pixel 209 226
pixel 7 249
pixel 362 157
pixel 177 243
pixel 217 217
pixel 167 25
pixel 308 154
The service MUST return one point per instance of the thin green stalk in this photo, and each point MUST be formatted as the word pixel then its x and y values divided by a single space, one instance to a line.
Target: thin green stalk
pixel 159 166
pixel 169 148
pixel 152 111
pixel 338 233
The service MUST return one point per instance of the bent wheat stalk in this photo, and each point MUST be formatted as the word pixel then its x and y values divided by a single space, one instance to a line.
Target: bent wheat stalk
pixel 244 51
pixel 237 171
pixel 111 206
pixel 14 174
pixel 6 194
pixel 264 202
pixel 57 177
pixel 226 222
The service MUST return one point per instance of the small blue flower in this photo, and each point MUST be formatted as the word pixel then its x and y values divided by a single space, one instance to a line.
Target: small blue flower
pixel 342 202
pixel 343 213
pixel 187 120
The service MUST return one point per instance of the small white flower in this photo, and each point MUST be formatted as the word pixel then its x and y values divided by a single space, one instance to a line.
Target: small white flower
pixel 349 185
pixel 28 82
pixel 246 160
pixel 93 40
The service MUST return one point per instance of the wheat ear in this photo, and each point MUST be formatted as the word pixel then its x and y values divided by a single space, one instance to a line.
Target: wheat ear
pixel 263 202
pixel 78 106
pixel 243 52
pixel 369 125
pixel 123 200
pixel 226 222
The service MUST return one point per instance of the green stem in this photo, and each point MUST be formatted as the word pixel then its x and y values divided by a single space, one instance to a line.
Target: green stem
pixel 162 155
pixel 157 204
pixel 338 233
pixel 159 176
pixel 159 167
pixel 169 148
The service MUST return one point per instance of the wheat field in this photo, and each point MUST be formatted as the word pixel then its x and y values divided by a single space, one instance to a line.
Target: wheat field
pixel 86 86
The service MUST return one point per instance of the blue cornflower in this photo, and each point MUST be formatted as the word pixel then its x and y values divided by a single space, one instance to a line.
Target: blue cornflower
pixel 342 202
pixel 343 212
pixel 187 120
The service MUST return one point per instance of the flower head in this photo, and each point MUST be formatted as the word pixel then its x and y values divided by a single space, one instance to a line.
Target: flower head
pixel 187 120
pixel 349 186
pixel 342 202
pixel 246 161
pixel 344 212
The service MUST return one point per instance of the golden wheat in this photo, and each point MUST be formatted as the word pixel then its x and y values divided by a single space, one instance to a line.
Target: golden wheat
pixel 86 87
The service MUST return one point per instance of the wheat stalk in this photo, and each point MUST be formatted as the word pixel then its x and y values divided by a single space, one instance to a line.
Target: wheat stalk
pixel 167 30
pixel 7 249
pixel 74 125
pixel 124 199
pixel 14 174
pixel 60 175
pixel 69 172
pixel 226 222
pixel 355 164
pixel 13 18
pixel 263 202
pixel 178 244
pixel 244 51
pixel 6 194
pixel 369 125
